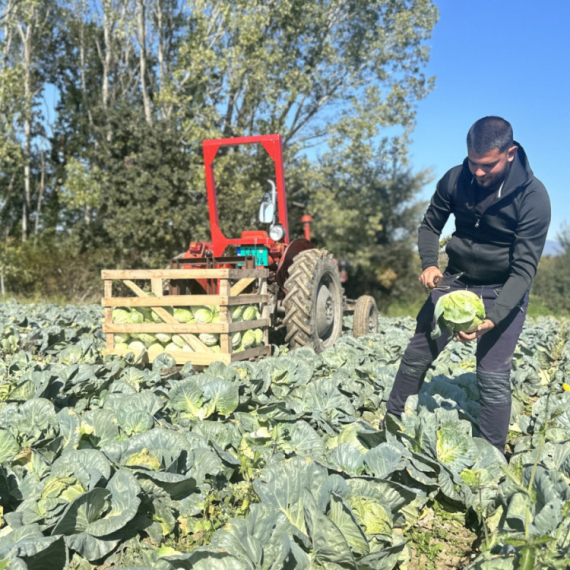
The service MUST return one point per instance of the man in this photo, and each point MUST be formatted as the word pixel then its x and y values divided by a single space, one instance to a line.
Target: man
pixel 502 214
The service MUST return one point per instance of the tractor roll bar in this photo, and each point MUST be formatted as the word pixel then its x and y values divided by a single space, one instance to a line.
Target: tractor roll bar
pixel 274 147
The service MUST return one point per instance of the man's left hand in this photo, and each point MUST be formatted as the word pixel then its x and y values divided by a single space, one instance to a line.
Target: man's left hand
pixel 484 327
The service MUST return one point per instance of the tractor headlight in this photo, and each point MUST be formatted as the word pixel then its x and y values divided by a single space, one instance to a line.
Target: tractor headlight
pixel 276 232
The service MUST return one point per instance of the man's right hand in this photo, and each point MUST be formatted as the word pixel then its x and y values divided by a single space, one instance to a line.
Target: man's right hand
pixel 429 275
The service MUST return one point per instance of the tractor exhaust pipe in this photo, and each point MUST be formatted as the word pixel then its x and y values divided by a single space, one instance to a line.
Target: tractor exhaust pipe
pixel 306 219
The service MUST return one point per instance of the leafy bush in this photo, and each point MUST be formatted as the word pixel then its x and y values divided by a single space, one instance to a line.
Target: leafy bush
pixel 53 268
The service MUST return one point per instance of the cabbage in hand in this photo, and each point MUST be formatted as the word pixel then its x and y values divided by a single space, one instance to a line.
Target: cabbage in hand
pixel 458 311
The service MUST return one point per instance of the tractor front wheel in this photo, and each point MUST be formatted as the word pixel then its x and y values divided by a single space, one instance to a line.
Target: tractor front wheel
pixel 365 316
pixel 314 301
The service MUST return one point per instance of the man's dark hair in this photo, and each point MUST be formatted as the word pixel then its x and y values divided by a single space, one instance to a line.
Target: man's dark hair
pixel 489 133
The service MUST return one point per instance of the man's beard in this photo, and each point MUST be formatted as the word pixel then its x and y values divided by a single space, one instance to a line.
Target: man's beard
pixel 495 184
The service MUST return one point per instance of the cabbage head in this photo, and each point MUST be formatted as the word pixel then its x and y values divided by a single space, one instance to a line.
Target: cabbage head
pixel 251 313
pixel 137 347
pixel 171 347
pixel 144 459
pixel 122 337
pixel 137 317
pixel 209 339
pixel 71 354
pixel 121 346
pixel 237 313
pixel 156 348
pixel 147 338
pixel 183 315
pixel 58 490
pixel 258 336
pixel 121 316
pixel 145 314
pixel 178 341
pixel 163 338
pixel 202 314
pixel 248 339
pixel 458 311
pixel 236 340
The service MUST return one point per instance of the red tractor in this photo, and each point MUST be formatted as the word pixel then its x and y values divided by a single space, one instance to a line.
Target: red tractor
pixel 304 282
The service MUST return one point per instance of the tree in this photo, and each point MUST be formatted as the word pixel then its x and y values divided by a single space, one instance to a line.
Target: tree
pixel 318 73
pixel 365 212
pixel 31 19
pixel 142 82
pixel 26 53
pixel 552 282
pixel 11 104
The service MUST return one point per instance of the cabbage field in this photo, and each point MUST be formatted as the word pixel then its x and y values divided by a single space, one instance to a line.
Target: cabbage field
pixel 281 464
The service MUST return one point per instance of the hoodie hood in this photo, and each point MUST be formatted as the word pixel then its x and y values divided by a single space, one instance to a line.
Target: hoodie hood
pixel 520 173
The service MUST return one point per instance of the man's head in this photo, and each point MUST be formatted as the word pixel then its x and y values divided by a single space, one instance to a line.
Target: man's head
pixel 490 150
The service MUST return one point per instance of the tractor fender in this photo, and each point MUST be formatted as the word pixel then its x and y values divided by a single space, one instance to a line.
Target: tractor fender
pixel 294 248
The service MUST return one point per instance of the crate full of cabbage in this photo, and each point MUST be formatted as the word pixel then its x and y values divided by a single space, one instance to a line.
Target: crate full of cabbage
pixel 230 324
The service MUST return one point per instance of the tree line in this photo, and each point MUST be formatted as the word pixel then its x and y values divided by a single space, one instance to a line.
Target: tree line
pixel 104 105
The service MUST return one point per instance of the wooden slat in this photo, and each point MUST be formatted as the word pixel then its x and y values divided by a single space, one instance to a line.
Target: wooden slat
pixel 182 356
pixel 242 284
pixel 185 328
pixel 166 301
pixel 251 353
pixel 265 312
pixel 108 313
pixel 194 342
pixel 246 325
pixel 225 318
pixel 156 287
pixel 174 328
pixel 248 300
pixel 183 300
pixel 122 274
pixel 248 273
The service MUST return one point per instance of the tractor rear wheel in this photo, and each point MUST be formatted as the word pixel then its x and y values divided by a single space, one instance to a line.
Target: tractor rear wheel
pixel 314 301
pixel 365 316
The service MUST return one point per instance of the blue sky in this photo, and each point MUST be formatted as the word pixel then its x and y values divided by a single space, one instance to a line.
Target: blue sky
pixel 506 58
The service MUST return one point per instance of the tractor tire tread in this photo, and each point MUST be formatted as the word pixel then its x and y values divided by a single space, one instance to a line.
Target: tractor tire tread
pixel 297 301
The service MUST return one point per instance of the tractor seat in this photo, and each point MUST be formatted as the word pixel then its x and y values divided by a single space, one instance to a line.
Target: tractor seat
pixel 259 234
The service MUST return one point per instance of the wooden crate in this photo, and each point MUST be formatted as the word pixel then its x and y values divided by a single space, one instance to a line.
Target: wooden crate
pixel 232 284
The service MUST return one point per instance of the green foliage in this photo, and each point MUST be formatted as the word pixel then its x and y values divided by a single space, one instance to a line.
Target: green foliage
pixel 82 186
pixel 53 267
pixel 538 308
pixel 365 212
pixel 427 546
pixel 108 463
pixel 551 285
pixel 122 167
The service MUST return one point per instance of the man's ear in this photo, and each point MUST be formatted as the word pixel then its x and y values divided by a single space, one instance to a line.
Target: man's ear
pixel 511 153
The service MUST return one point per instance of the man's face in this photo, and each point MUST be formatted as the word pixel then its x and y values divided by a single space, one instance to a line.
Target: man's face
pixel 490 168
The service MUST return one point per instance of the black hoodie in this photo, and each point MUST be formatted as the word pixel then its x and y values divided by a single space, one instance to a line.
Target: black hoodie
pixel 500 244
